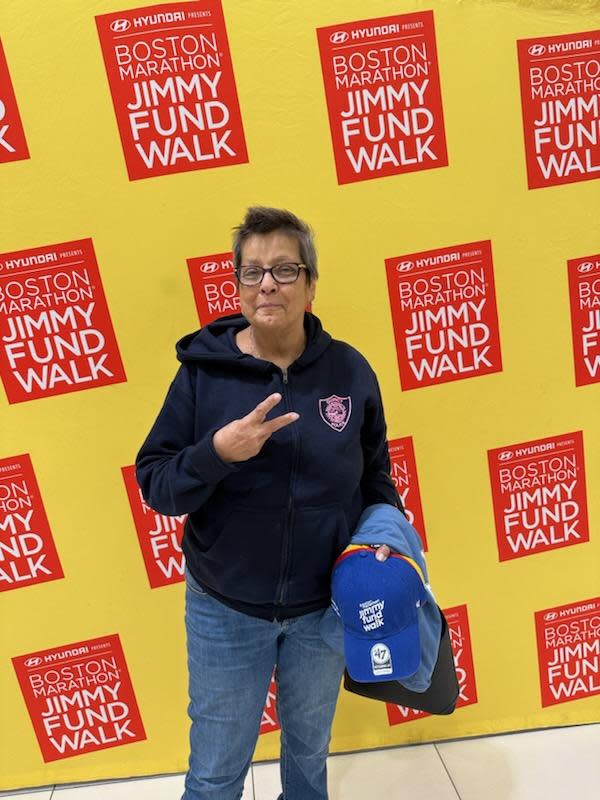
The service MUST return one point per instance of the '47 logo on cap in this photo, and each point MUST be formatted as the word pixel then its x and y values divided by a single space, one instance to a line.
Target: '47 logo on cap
pixel 381 659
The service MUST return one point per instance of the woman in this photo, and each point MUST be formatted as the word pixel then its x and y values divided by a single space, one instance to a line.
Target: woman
pixel 272 500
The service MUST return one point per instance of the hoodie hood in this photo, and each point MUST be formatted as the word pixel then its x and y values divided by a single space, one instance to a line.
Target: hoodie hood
pixel 215 343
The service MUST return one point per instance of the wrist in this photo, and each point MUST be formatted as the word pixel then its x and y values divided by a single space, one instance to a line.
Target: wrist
pixel 217 447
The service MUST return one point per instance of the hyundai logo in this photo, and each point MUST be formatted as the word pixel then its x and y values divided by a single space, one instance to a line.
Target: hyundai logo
pixel 537 50
pixel 33 662
pixel 550 616
pixel 120 25
pixel 505 455
pixel 209 267
pixel 404 266
pixel 339 37
pixel 587 266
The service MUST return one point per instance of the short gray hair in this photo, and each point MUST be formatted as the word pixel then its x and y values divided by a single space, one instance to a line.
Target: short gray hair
pixel 261 220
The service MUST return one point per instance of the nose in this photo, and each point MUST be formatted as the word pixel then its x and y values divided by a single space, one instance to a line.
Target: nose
pixel 268 283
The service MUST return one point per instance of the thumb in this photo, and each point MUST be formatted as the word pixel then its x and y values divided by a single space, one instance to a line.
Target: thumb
pixel 382 552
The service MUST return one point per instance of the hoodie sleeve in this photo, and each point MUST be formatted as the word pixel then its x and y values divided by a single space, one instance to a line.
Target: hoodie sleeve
pixel 177 474
pixel 376 483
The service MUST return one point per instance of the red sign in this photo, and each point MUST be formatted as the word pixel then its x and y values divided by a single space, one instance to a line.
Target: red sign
pixel 80 697
pixel 568 642
pixel 173 87
pixel 27 551
pixel 584 291
pixel 406 481
pixel 460 639
pixel 560 85
pixel 539 495
pixel 269 721
pixel 13 146
pixel 55 327
pixel 159 536
pixel 214 286
pixel 444 314
pixel 384 101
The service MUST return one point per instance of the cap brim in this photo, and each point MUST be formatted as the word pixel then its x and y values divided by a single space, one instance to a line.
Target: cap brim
pixel 401 659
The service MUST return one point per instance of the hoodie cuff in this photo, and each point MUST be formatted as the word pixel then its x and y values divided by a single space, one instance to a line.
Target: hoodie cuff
pixel 203 461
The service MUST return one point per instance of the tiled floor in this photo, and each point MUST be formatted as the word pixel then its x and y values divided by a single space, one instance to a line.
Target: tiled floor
pixel 553 764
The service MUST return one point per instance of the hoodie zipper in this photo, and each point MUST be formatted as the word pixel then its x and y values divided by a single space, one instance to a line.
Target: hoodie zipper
pixel 285 557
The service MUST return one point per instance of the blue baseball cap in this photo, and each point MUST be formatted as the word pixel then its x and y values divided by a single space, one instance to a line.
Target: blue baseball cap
pixel 378 603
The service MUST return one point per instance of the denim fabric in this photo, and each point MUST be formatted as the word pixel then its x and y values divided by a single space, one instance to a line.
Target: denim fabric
pixel 230 660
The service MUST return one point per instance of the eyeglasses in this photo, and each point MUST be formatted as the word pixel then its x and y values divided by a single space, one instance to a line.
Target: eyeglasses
pixel 286 272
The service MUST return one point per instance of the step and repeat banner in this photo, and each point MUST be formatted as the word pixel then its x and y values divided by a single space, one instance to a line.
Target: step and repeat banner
pixel 447 155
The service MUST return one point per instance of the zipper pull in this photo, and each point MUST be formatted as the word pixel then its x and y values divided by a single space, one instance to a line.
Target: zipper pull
pixel 285 377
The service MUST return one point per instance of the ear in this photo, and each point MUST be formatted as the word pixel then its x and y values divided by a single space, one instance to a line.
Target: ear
pixel 311 292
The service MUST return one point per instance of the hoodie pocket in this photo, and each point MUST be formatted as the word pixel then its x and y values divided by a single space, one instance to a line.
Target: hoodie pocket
pixel 319 534
pixel 244 561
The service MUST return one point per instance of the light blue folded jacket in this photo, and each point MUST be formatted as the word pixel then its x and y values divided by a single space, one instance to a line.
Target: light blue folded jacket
pixel 385 524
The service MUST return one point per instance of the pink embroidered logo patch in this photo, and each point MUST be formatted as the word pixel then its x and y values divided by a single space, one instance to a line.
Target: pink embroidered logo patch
pixel 335 411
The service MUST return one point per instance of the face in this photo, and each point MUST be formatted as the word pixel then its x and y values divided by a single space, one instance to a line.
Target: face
pixel 271 305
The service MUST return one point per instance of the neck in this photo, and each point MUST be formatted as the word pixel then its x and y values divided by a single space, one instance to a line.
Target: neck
pixel 269 346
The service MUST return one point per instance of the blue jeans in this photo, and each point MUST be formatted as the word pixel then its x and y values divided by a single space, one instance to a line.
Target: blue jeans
pixel 230 661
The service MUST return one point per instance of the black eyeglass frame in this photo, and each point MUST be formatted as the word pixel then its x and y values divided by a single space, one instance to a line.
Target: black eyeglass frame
pixel 296 264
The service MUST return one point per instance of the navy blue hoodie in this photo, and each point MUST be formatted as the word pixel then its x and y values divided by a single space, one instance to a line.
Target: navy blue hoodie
pixel 262 534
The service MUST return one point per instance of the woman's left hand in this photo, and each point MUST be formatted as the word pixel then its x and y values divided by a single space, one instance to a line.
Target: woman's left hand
pixel 382 552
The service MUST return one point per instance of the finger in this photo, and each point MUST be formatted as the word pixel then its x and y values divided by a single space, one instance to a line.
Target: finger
pixel 279 422
pixel 382 552
pixel 262 409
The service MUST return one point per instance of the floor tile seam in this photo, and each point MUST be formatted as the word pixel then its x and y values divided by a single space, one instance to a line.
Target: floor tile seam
pixel 447 771
pixel 409 745
pixel 273 762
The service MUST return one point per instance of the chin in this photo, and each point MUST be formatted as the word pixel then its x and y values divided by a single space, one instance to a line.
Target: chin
pixel 269 313
pixel 270 322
